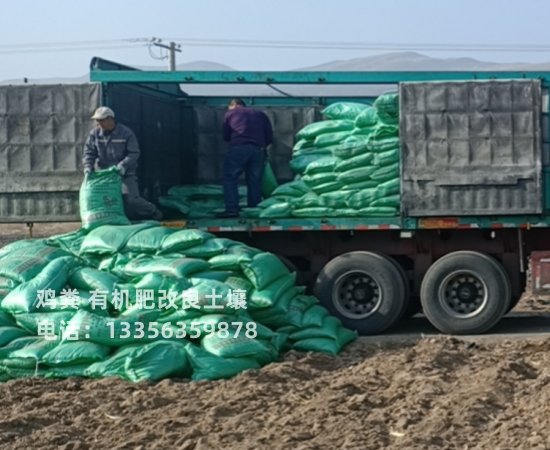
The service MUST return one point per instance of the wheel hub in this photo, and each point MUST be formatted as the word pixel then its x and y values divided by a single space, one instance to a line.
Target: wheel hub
pixel 463 295
pixel 356 295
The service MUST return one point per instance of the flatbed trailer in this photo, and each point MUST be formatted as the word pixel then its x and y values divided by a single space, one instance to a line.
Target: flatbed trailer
pixel 470 227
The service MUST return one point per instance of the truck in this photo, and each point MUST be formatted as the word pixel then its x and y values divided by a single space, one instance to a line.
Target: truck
pixel 475 182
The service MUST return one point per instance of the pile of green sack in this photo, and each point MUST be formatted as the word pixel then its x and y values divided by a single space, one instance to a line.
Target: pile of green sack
pixel 198 201
pixel 142 301
pixel 346 166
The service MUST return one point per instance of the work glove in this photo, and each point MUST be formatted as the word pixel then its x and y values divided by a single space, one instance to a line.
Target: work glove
pixel 121 170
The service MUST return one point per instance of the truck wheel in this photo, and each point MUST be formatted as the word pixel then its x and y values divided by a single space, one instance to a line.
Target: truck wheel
pixel 364 290
pixel 292 268
pixel 465 293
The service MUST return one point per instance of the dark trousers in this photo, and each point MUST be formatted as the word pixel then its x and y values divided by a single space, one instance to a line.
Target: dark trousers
pixel 135 206
pixel 250 160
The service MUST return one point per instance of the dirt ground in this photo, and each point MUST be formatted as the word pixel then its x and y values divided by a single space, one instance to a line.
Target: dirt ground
pixel 438 393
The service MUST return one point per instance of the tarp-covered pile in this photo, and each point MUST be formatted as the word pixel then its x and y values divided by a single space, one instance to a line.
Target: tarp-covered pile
pixel 141 301
pixel 347 166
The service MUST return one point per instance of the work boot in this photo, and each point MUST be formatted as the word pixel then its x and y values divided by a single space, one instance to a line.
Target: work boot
pixel 227 215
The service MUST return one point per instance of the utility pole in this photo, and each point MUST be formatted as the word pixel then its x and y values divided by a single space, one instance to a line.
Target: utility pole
pixel 172 49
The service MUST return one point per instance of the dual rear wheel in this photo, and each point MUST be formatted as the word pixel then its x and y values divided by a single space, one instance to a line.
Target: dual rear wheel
pixel 462 293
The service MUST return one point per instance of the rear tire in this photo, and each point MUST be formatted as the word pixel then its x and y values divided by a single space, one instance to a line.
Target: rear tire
pixel 465 293
pixel 364 290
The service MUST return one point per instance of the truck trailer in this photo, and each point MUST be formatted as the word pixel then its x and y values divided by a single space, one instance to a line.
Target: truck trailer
pixel 474 219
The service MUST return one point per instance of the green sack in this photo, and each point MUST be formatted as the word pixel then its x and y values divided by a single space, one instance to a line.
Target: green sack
pixel 264 269
pixel 319 178
pixel 384 132
pixel 243 250
pixel 270 202
pixel 64 372
pixel 157 361
pixel 148 240
pixel 327 126
pixel 387 158
pixel 29 356
pixel 251 213
pixel 239 283
pixel 327 187
pixel 293 189
pixel 269 295
pixel 379 211
pixel 17 344
pixel 89 279
pixel 9 334
pixel 184 239
pixel 391 200
pixel 346 212
pixel 276 316
pixel 328 139
pixel 390 187
pixel 351 148
pixel 178 204
pixel 360 185
pixel 328 329
pixel 356 162
pixel 24 298
pixel 383 145
pixel 326 164
pixel 297 307
pixel 388 102
pixel 167 266
pixel 33 321
pixel 363 132
pixel 109 331
pixel 366 118
pixel 20 245
pixel 323 345
pixel 207 366
pixel 303 144
pixel 269 181
pixel 21 268
pixel 356 175
pixel 336 199
pixel 113 366
pixel 388 119
pixel 310 200
pixel 344 110
pixel 39 250
pixel 100 199
pixel 72 353
pixel 228 262
pixel 216 275
pixel 313 316
pixel 362 199
pixel 299 163
pixel 279 210
pixel 208 249
pixel 386 173
pixel 312 212
pixel 231 346
pixel 109 239
pixel 6 320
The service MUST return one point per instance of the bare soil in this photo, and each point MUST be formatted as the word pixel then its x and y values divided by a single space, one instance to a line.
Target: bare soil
pixel 440 393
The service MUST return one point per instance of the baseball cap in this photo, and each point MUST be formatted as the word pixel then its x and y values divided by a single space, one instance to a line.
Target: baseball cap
pixel 103 113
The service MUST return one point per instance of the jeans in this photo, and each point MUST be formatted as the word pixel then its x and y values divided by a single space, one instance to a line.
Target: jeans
pixel 244 158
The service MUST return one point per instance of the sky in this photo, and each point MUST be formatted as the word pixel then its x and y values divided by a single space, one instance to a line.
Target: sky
pixel 472 22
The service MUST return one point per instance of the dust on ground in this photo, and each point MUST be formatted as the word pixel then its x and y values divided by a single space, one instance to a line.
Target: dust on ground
pixel 440 393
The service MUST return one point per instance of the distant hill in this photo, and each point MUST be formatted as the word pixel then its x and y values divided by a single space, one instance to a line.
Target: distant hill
pixel 398 61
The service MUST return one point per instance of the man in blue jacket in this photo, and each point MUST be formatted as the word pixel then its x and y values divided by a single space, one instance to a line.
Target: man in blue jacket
pixel 248 132
pixel 113 144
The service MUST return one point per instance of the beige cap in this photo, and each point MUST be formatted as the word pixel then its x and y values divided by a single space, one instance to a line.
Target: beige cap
pixel 103 113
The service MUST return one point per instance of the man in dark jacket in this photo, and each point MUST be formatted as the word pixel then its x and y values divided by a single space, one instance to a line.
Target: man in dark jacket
pixel 113 144
pixel 248 132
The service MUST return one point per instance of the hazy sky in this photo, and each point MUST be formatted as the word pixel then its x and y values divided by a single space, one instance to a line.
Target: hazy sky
pixel 502 22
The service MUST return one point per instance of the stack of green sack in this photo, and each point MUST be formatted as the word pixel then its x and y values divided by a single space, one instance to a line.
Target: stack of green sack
pixel 198 202
pixel 62 312
pixel 347 166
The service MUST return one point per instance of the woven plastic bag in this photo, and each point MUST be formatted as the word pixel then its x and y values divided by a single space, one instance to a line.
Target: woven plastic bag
pixel 100 199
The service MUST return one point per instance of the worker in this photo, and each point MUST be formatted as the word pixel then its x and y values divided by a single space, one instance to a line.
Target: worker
pixel 113 144
pixel 248 133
